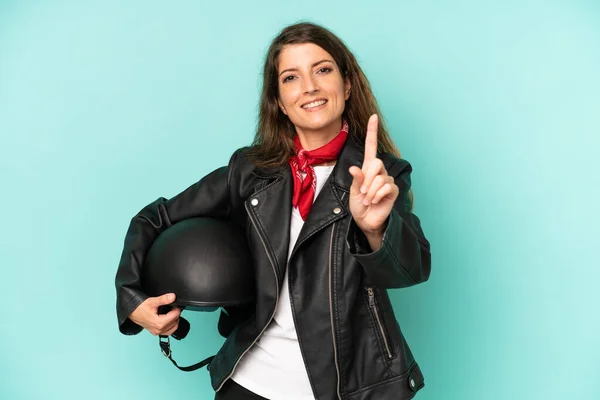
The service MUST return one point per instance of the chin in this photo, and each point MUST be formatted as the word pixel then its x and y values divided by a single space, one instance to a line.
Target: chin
pixel 315 124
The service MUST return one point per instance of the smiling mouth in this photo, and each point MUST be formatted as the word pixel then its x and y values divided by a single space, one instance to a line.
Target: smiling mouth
pixel 314 104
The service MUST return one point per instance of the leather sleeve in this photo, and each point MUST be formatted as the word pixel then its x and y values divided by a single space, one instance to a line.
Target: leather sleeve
pixel 404 258
pixel 210 196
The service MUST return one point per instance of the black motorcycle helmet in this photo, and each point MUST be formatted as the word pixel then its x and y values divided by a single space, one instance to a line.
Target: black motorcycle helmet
pixel 207 263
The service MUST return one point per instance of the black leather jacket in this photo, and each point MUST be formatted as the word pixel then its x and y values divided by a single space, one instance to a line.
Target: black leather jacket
pixel 350 340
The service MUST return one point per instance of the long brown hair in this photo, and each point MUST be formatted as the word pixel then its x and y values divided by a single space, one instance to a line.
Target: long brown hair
pixel 273 142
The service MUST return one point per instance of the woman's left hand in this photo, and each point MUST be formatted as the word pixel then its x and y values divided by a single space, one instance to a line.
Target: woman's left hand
pixel 373 191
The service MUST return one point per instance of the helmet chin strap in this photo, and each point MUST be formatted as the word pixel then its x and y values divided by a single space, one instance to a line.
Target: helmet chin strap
pixel 183 329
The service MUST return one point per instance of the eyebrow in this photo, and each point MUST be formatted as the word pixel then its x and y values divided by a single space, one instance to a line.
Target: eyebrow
pixel 312 66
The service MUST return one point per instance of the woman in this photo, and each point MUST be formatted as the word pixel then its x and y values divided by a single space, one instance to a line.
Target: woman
pixel 326 204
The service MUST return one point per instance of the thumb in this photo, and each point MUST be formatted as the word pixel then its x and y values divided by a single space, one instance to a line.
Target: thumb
pixel 357 182
pixel 167 298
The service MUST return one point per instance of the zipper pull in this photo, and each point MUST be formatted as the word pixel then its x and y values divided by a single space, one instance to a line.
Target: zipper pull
pixel 371 296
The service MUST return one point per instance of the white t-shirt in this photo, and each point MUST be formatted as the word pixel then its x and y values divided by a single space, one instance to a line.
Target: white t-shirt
pixel 273 367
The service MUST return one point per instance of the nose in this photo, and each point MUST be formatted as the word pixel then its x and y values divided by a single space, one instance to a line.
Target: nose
pixel 310 85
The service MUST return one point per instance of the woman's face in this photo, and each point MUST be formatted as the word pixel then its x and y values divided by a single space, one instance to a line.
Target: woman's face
pixel 312 90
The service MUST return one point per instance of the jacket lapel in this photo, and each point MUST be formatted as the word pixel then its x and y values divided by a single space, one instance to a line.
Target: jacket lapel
pixel 270 208
pixel 332 202
pixel 329 206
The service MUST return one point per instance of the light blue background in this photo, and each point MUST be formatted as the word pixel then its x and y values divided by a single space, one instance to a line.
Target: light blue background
pixel 107 105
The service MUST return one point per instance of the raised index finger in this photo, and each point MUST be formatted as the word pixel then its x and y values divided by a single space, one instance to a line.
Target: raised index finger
pixel 371 139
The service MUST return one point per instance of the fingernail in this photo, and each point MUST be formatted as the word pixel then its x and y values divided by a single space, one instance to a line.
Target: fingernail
pixel 366 202
pixel 363 189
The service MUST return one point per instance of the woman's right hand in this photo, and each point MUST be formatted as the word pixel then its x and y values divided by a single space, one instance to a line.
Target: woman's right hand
pixel 146 315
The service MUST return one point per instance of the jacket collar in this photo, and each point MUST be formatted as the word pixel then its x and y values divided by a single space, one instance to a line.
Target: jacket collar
pixel 351 154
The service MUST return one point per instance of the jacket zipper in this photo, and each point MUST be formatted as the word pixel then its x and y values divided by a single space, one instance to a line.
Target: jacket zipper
pixel 335 357
pixel 376 312
pixel 276 299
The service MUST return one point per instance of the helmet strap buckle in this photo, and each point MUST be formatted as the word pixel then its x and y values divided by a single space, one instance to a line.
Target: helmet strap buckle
pixel 165 346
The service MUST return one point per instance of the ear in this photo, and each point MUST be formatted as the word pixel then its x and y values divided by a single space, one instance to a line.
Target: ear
pixel 281 107
pixel 347 88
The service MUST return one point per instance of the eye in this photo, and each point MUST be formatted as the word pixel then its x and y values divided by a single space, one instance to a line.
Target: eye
pixel 288 78
pixel 325 70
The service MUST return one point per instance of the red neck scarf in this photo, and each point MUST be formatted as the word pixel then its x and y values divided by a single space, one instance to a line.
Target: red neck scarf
pixel 304 189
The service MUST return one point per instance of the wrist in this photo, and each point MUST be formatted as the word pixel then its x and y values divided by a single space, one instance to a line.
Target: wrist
pixel 375 239
pixel 375 236
pixel 375 232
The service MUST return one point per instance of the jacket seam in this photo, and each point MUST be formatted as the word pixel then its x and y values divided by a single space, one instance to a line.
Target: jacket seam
pixel 404 270
pixel 262 233
pixel 394 378
pixel 123 307
pixel 238 327
pixel 308 372
pixel 338 337
pixel 232 165
pixel 337 254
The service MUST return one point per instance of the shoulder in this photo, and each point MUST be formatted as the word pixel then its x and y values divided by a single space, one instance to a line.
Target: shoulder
pixel 355 153
pixel 240 156
pixel 394 164
pixel 244 163
pixel 239 164
pixel 241 160
pixel 245 176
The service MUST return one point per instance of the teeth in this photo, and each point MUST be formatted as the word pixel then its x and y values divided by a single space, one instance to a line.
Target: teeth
pixel 314 104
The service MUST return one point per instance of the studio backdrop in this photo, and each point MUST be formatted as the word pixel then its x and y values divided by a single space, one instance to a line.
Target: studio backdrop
pixel 107 105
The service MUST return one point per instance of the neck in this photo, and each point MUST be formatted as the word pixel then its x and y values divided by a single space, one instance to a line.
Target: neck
pixel 326 164
pixel 313 139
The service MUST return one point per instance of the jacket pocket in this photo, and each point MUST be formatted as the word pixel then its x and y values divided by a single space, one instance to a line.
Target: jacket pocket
pixel 378 317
